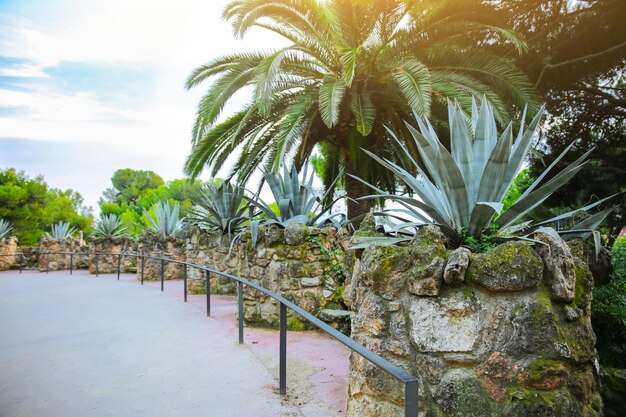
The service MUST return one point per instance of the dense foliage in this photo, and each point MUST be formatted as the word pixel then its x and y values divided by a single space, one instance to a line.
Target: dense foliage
pixel 135 191
pixel 32 207
pixel 576 58
pixel 109 225
pixel 61 231
pixel 351 67
pixel 609 311
pixel 163 219
pixel 220 206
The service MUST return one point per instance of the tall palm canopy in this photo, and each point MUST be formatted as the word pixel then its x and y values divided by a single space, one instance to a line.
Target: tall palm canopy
pixel 351 69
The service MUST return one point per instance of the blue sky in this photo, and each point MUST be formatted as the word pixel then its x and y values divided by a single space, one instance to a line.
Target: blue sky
pixel 88 87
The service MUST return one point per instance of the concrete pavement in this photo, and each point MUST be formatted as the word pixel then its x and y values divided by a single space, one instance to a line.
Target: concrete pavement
pixel 74 346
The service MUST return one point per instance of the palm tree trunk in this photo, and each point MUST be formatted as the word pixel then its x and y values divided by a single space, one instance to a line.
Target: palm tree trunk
pixel 354 190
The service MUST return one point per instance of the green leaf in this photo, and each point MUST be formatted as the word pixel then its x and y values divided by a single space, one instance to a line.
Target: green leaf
pixel 364 112
pixel 331 94
pixel 413 79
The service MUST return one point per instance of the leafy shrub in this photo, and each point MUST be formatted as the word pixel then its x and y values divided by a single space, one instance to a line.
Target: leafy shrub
pixel 609 312
pixel 110 225
pixel 5 228
pixel 462 190
pixel 163 220
pixel 61 231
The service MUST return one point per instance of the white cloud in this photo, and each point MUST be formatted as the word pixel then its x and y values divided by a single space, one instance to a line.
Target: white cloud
pixel 169 37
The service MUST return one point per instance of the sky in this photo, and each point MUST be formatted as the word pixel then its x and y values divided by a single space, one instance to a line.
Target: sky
pixel 90 86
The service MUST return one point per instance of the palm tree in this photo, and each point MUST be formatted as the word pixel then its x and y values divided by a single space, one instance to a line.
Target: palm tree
pixel 351 69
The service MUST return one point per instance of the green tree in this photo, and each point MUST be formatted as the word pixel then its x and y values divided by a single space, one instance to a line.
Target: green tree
pixel 351 67
pixel 135 191
pixel 576 58
pixel 129 184
pixel 32 207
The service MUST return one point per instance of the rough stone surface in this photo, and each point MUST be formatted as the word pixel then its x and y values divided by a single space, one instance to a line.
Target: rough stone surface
pixel 559 263
pixel 8 247
pixel 55 255
pixel 496 345
pixel 152 245
pixel 304 265
pixel 337 319
pixel 454 274
pixel 107 264
pixel 512 266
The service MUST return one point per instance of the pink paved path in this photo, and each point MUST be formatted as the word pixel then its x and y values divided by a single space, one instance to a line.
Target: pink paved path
pixel 85 346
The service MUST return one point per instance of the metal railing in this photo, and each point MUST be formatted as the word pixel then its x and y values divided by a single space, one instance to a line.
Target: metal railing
pixel 410 382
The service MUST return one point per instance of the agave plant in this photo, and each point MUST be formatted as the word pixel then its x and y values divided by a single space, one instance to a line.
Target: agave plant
pixel 5 228
pixel 61 231
pixel 163 220
pixel 297 201
pixel 220 207
pixel 110 225
pixel 462 190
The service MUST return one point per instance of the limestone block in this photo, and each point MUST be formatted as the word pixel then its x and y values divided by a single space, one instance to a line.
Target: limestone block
pixel 512 266
pixel 559 262
pixel 428 280
pixel 294 234
pixel 457 264
pixel 450 324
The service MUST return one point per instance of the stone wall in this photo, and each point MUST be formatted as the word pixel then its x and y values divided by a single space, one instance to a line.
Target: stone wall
pixel 171 248
pixel 107 264
pixel 212 250
pixel 305 265
pixel 503 333
pixel 8 248
pixel 54 255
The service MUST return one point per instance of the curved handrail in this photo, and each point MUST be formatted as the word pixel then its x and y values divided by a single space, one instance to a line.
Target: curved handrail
pixel 410 382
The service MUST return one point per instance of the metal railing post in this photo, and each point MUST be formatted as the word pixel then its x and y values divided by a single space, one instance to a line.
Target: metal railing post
pixel 71 262
pixel 162 273
pixel 208 293
pixel 20 261
pixel 410 399
pixel 97 259
pixel 240 309
pixel 185 280
pixel 143 265
pixel 119 265
pixel 283 350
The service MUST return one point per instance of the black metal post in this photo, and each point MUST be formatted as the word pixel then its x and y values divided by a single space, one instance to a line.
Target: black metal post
pixel 162 273
pixel 240 309
pixel 119 265
pixel 143 264
pixel 21 260
pixel 71 262
pixel 283 350
pixel 185 280
pixel 97 259
pixel 410 399
pixel 208 293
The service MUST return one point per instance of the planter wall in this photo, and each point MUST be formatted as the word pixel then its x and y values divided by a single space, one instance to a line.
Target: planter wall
pixel 54 255
pixel 8 248
pixel 171 248
pixel 305 265
pixel 503 333
pixel 107 264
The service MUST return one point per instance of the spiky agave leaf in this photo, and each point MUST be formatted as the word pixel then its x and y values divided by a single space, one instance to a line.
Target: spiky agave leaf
pixel 5 228
pixel 163 220
pixel 61 231
pixel 110 225
pixel 220 207
pixel 463 189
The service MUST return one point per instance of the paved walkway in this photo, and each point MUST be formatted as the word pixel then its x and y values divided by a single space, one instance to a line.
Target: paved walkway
pixel 80 346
